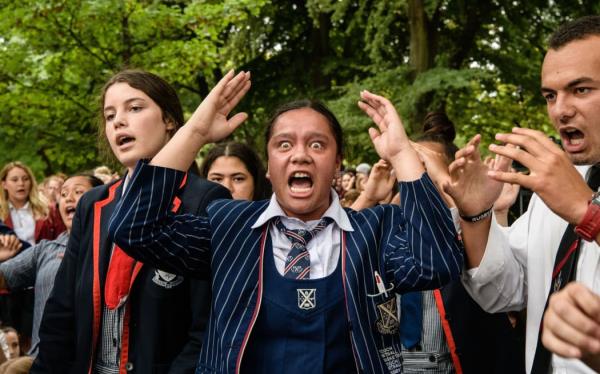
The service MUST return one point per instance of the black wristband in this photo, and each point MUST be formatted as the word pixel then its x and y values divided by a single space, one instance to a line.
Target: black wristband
pixel 478 217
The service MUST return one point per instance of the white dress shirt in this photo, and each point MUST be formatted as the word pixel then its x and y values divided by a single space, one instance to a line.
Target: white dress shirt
pixel 324 248
pixel 516 272
pixel 23 222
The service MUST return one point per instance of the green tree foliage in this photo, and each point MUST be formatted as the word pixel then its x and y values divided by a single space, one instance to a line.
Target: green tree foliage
pixel 477 60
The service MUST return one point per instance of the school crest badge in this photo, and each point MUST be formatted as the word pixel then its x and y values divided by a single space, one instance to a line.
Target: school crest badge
pixel 388 322
pixel 166 280
pixel 307 298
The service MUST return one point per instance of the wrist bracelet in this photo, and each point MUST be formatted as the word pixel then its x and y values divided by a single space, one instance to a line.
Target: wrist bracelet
pixel 478 217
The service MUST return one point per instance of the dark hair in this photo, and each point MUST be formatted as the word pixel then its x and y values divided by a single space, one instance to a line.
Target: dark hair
pixel 152 85
pixel 262 188
pixel 318 107
pixel 575 30
pixel 438 128
pixel 92 179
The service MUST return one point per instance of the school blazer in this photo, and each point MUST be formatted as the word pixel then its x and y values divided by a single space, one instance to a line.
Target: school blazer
pixel 412 248
pixel 167 313
pixel 45 228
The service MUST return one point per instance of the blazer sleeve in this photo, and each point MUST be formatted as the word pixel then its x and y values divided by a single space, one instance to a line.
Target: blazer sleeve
pixel 200 293
pixel 422 249
pixel 56 351
pixel 144 227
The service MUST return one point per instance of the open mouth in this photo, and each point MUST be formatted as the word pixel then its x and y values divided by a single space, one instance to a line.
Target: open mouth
pixel 300 182
pixel 70 212
pixel 572 137
pixel 124 139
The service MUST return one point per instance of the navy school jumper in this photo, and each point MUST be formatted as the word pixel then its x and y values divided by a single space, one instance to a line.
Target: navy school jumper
pixel 413 248
pixel 301 326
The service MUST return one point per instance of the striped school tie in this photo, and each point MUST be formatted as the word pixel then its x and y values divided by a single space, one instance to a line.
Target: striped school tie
pixel 297 263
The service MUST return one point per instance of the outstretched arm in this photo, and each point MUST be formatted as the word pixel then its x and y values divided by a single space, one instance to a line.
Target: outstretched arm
pixel 208 124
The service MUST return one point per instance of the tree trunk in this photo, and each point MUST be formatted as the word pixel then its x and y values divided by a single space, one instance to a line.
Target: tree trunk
pixel 421 56
pixel 423 49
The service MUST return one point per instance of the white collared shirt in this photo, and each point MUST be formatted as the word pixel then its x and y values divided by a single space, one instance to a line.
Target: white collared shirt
pixel 324 248
pixel 516 270
pixel 23 222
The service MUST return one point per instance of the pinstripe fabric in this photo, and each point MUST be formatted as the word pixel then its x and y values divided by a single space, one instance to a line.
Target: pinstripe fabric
pixel 414 248
pixel 434 355
pixel 36 266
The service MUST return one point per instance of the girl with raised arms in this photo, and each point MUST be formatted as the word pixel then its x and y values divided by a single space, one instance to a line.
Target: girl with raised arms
pixel 299 284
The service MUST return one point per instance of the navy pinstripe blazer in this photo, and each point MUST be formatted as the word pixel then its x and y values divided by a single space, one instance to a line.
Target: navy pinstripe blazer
pixel 413 248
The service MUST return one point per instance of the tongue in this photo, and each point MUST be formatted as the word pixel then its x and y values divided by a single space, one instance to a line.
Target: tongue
pixel 301 183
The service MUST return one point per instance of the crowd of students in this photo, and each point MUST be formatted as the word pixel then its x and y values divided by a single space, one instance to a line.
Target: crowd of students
pixel 405 265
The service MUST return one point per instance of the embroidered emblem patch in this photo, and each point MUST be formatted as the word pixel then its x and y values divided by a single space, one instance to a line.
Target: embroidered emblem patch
pixel 388 322
pixel 307 298
pixel 166 280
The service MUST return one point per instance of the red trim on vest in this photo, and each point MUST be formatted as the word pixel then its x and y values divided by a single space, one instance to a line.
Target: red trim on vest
pixel 96 294
pixel 447 331
pixel 263 241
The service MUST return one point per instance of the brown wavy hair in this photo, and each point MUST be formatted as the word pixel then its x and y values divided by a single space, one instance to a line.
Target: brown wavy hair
pixel 159 90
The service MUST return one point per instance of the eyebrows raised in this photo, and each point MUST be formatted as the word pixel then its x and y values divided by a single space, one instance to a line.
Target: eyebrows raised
pixel 309 135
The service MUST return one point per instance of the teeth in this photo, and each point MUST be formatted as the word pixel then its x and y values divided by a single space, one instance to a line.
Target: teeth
pixel 570 131
pixel 576 141
pixel 300 175
pixel 300 189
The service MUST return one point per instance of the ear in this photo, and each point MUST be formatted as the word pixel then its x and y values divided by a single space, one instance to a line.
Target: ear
pixel 338 162
pixel 268 174
pixel 170 125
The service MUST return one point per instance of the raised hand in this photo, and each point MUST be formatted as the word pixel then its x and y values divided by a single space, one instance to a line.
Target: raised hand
pixel 10 245
pixel 389 139
pixel 469 186
pixel 551 172
pixel 571 326
pixel 209 123
pixel 378 186
pixel 210 118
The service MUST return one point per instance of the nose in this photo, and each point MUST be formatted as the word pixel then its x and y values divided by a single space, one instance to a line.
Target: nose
pixel 562 110
pixel 300 155
pixel 119 120
pixel 70 196
pixel 228 183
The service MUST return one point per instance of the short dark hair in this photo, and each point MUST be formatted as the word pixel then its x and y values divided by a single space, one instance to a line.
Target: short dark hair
pixel 318 107
pixel 577 29
pixel 437 128
pixel 262 187
pixel 92 179
pixel 152 85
